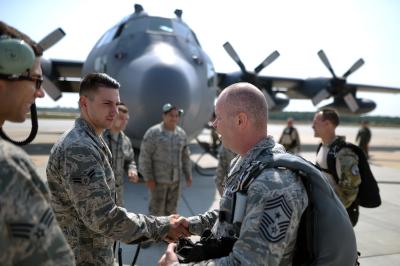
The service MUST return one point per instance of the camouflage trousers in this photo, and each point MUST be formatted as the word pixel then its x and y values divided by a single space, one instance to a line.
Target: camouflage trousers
pixel 164 199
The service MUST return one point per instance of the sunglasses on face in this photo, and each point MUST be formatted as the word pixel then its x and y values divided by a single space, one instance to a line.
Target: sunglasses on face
pixel 38 80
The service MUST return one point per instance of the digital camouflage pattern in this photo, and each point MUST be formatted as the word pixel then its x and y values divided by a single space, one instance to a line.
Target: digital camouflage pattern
pixel 290 139
pixel 276 199
pixel 225 157
pixel 82 189
pixel 348 173
pixel 123 160
pixel 29 234
pixel 164 157
pixel 363 138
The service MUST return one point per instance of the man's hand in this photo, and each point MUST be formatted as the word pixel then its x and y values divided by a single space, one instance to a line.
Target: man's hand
pixel 179 228
pixel 133 176
pixel 151 184
pixel 189 181
pixel 169 257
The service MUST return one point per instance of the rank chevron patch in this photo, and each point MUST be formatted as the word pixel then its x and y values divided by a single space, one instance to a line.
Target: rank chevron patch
pixel 275 220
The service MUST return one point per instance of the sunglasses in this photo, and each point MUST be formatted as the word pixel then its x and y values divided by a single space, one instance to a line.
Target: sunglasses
pixel 38 81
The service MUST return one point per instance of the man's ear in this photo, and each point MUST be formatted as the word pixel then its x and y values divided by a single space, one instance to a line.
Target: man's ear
pixel 242 119
pixel 83 101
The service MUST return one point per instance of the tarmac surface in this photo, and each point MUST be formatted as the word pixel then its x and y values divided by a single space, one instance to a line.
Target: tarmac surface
pixel 377 232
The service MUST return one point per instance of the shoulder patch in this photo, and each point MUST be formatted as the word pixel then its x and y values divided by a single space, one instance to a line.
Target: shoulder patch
pixel 354 170
pixel 275 219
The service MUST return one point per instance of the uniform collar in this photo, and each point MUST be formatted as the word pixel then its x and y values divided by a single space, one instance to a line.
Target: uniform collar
pixel 261 151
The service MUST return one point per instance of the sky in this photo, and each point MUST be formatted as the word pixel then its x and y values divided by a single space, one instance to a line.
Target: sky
pixel 345 29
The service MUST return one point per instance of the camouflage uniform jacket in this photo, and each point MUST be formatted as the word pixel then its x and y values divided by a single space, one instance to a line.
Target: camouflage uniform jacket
pixel 290 140
pixel 82 195
pixel 276 199
pixel 164 155
pixel 224 161
pixel 347 170
pixel 123 158
pixel 29 234
pixel 363 136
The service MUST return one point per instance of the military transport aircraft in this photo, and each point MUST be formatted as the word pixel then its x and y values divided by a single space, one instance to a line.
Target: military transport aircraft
pixel 159 60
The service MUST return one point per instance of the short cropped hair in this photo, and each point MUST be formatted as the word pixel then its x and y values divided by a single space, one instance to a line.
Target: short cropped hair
pixel 123 108
pixel 330 115
pixel 14 33
pixel 245 97
pixel 93 81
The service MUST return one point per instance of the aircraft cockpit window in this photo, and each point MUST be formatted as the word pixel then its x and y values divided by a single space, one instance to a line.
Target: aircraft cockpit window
pixel 186 33
pixel 160 25
pixel 134 26
pixel 107 37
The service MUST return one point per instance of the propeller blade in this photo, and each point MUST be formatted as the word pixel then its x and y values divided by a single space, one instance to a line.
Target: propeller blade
pixel 51 89
pixel 351 102
pixel 271 58
pixel 270 100
pixel 51 39
pixel 232 53
pixel 354 67
pixel 325 60
pixel 321 95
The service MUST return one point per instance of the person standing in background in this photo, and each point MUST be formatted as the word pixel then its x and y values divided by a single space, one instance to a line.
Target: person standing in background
pixel 164 158
pixel 123 157
pixel 364 137
pixel 290 138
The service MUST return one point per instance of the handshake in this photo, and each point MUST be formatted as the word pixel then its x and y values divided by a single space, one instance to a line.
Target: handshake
pixel 179 228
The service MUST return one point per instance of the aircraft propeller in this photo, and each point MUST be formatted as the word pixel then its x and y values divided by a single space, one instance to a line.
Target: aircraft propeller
pixel 337 85
pixel 253 77
pixel 47 42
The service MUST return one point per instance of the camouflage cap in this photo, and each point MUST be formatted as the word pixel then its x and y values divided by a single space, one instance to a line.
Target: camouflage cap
pixel 168 107
pixel 14 33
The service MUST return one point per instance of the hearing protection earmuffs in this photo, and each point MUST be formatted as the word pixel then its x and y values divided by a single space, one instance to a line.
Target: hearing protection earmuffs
pixel 16 57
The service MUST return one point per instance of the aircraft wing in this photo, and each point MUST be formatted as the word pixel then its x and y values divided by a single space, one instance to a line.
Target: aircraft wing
pixel 378 89
pixel 65 75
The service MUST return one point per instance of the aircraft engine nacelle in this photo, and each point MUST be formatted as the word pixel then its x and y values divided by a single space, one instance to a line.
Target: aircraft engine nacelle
pixel 281 101
pixel 365 106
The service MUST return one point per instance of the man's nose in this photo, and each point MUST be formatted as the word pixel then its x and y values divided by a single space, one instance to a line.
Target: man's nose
pixel 39 93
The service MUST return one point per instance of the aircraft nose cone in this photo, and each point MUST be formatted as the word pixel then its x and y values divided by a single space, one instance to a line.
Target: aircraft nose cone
pixel 148 82
pixel 170 85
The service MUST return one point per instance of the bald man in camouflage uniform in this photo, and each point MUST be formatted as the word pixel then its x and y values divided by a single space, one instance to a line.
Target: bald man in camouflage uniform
pixel 266 232
pixel 123 157
pixel 225 157
pixel 82 183
pixel 163 159
pixel 29 234
pixel 324 125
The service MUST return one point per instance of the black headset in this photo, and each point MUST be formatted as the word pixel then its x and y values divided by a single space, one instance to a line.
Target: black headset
pixel 16 57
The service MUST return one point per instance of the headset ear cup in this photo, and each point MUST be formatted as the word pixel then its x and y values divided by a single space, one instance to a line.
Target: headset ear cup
pixel 16 56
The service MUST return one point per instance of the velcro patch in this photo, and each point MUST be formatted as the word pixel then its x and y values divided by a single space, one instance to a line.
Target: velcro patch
pixel 275 219
pixel 354 170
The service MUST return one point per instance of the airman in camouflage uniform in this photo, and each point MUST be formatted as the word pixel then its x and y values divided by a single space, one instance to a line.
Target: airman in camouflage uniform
pixel 123 157
pixel 29 234
pixel 324 125
pixel 82 183
pixel 163 159
pixel 364 137
pixel 225 157
pixel 275 200
pixel 290 138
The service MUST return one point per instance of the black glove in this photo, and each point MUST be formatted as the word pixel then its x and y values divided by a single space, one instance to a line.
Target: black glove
pixel 207 248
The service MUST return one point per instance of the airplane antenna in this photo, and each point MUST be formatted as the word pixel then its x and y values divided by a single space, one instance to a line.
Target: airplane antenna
pixel 178 13
pixel 138 9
